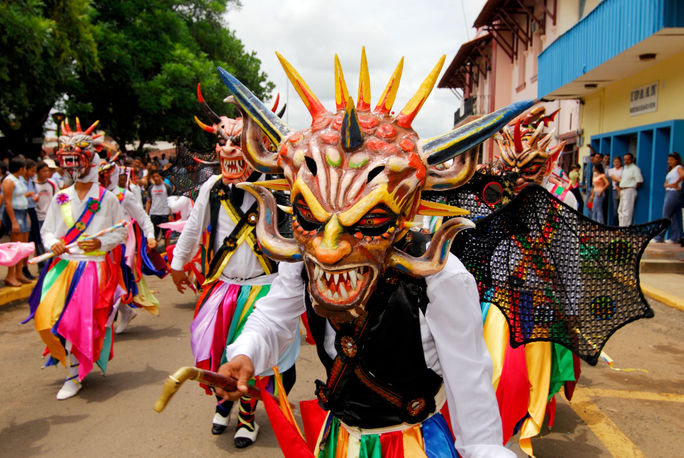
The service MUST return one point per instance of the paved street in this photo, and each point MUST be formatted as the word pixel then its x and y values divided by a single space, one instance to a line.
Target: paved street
pixel 615 413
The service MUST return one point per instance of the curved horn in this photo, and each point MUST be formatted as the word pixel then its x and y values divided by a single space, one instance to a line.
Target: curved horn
pixel 390 93
pixel 352 136
pixel 78 124
pixel 274 245
pixel 517 137
pixel 455 175
pixel 440 149
pixel 405 118
pixel 209 129
pixel 341 92
pixel 364 99
pixel 213 117
pixel 275 104
pixel 436 256
pixel 257 120
pixel 92 127
pixel 312 103
pixel 282 111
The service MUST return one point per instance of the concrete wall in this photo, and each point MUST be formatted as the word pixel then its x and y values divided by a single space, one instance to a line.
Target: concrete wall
pixel 607 110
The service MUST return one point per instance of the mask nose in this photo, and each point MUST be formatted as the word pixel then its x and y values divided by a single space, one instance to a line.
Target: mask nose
pixel 328 248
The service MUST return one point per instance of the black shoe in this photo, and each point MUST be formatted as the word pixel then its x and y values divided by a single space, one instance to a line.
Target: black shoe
pixel 242 442
pixel 217 429
pixel 27 273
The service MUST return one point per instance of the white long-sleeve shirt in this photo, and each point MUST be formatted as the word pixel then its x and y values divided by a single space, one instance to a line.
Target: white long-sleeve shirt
pixel 243 263
pixel 109 214
pixel 452 339
pixel 134 210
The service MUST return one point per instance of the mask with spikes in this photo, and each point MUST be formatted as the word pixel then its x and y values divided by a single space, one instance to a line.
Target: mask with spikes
pixel 228 131
pixel 524 146
pixel 355 179
pixel 77 149
pixel 108 172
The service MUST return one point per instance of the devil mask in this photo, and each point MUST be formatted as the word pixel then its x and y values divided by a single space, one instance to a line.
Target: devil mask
pixel 355 178
pixel 524 146
pixel 77 149
pixel 228 131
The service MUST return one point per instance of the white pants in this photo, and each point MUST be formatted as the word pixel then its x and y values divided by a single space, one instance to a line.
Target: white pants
pixel 626 208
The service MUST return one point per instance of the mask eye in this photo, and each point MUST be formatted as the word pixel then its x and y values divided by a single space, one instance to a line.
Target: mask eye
pixel 376 221
pixel 305 216
pixel 82 144
pixel 532 169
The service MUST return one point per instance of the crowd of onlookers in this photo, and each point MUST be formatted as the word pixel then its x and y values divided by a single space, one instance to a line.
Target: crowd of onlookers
pixel 27 188
pixel 619 182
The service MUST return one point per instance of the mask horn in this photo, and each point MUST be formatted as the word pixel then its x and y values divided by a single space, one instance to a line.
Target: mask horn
pixel 447 146
pixel 352 136
pixel 406 116
pixel 78 124
pixel 204 126
pixel 275 104
pixel 312 103
pixel 257 119
pixel 274 245
pixel 341 92
pixel 282 111
pixel 387 98
pixel 364 98
pixel 435 258
pixel 92 127
pixel 213 117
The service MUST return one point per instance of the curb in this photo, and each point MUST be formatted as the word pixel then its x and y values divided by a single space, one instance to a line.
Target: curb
pixel 11 294
pixel 661 296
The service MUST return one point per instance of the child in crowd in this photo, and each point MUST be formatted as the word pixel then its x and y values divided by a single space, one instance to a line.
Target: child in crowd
pixel 46 189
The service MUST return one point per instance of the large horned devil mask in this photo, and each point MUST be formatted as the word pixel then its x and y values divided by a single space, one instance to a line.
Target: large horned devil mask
pixel 77 149
pixel 355 178
pixel 228 133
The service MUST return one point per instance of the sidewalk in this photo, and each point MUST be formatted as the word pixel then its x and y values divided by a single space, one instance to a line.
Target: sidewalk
pixel 662 274
pixel 9 294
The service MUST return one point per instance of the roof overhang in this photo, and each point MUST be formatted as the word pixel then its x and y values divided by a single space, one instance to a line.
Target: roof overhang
pixel 464 61
pixel 664 43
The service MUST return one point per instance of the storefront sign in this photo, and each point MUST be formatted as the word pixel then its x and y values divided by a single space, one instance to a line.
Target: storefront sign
pixel 643 99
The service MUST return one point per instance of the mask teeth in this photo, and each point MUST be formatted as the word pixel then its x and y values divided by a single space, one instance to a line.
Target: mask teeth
pixel 233 167
pixel 340 285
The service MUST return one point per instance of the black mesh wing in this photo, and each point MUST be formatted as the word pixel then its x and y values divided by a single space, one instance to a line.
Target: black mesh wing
pixel 190 170
pixel 555 274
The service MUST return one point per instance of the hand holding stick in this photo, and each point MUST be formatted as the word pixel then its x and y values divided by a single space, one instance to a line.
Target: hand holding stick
pixel 50 254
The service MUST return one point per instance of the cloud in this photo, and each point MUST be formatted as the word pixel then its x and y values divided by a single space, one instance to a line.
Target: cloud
pixel 309 32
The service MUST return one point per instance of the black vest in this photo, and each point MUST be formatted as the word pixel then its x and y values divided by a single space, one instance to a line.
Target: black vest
pixel 379 377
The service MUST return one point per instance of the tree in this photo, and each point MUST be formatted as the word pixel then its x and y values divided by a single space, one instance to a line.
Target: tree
pixel 152 54
pixel 42 45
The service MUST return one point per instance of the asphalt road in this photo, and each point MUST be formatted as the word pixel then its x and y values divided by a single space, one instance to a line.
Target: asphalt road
pixel 615 413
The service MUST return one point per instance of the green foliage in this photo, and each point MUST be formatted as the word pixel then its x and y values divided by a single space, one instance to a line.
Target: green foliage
pixel 152 54
pixel 42 44
pixel 134 65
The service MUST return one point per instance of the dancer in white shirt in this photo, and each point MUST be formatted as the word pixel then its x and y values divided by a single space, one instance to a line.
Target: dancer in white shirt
pixel 73 300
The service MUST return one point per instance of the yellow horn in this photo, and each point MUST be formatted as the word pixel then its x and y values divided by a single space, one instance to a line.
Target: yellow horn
pixel 363 102
pixel 414 105
pixel 390 93
pixel 341 92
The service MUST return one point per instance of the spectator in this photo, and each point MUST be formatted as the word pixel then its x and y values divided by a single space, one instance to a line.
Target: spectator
pixel 629 183
pixel 672 205
pixel 574 176
pixel 59 177
pixel 32 197
pixel 14 216
pixel 615 174
pixel 45 189
pixel 157 205
pixel 163 161
pixel 599 190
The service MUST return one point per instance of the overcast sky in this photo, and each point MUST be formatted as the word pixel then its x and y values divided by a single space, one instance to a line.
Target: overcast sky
pixel 309 32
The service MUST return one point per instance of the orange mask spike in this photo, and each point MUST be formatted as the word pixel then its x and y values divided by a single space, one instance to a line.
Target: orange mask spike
pixel 97 136
pixel 204 126
pixel 341 92
pixel 92 127
pixel 390 93
pixel 312 103
pixel 407 115
pixel 78 124
pixel 275 104
pixel 363 101
pixel 517 137
pixel 65 125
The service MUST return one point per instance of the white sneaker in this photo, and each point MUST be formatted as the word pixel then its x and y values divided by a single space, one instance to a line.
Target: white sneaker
pixel 126 314
pixel 670 242
pixel 69 389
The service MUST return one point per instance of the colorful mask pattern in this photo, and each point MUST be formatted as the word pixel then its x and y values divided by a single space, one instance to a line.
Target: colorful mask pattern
pixel 77 148
pixel 355 179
